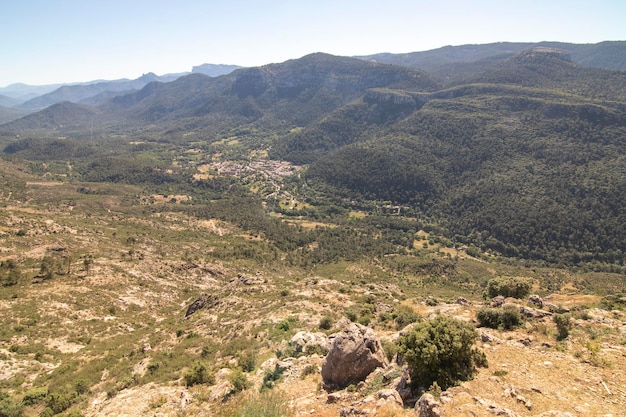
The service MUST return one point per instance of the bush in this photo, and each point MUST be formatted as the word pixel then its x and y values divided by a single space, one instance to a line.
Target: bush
pixel 9 273
pixel 563 325
pixel 34 396
pixel 389 348
pixel 508 287
pixel 403 316
pixel 60 401
pixel 441 350
pixel 267 404
pixel 488 317
pixel 9 407
pixel 506 318
pixel 271 377
pixel 239 380
pixel 199 374
pixel 326 323
pixel 247 360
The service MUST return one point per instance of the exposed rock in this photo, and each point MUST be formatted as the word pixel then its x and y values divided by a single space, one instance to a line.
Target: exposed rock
pixel 536 300
pixel 354 354
pixel 387 96
pixel 247 280
pixel 497 301
pixel 333 397
pixel 553 413
pixel 533 313
pixel 463 301
pixel 553 308
pixel 352 411
pixel 145 347
pixel 494 408
pixel 428 406
pixel 488 338
pixel 204 301
pixel 302 342
pixel 402 387
pixel 383 308
pixel 388 396
pixel 512 392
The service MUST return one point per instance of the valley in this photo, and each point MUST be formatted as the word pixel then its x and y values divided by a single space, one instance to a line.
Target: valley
pixel 197 247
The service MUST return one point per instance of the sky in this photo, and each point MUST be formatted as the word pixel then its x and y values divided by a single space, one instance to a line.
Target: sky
pixel 63 41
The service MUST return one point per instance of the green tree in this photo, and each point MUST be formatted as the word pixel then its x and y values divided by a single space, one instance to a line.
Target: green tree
pixel 441 350
pixel 508 287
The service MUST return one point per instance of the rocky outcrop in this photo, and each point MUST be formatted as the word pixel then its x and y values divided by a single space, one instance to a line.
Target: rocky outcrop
pixel 304 342
pixel 463 301
pixel 533 313
pixel 204 301
pixel 536 300
pixel 354 354
pixel 389 97
pixel 247 280
pixel 428 406
pixel 497 301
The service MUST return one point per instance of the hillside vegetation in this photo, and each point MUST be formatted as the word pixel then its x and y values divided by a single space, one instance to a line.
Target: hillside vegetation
pixel 191 248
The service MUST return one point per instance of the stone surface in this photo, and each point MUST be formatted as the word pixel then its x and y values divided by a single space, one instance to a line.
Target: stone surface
pixel 536 300
pixel 354 354
pixel 428 406
pixel 306 341
pixel 204 301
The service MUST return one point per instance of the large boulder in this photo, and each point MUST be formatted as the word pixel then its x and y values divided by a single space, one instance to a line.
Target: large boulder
pixel 354 354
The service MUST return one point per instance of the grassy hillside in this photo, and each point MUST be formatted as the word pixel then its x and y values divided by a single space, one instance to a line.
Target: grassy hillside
pixel 97 278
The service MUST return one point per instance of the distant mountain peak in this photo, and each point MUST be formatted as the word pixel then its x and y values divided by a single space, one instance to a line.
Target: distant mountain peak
pixel 214 70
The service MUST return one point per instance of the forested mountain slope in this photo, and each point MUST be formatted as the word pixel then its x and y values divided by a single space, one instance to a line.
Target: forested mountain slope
pixel 526 159
pixel 536 173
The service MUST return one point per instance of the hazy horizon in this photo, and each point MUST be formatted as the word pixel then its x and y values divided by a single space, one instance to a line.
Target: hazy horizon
pixel 73 41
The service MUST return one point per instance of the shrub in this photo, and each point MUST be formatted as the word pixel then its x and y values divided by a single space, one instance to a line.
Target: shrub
pixel 506 318
pixel 441 350
pixel 59 401
pixel 389 348
pixel 508 287
pixel 326 323
pixel 267 404
pixel 488 317
pixel 403 316
pixel 9 273
pixel 239 380
pixel 9 407
pixel 247 360
pixel 563 325
pixel 284 326
pixel 271 377
pixel 199 374
pixel 34 396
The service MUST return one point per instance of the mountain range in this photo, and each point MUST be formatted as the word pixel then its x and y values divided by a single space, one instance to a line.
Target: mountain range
pixel 519 151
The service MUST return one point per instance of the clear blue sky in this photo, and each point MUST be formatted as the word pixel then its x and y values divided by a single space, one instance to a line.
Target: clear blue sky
pixel 54 41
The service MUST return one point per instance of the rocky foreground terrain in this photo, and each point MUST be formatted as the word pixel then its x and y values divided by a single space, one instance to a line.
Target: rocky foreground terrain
pixel 150 314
